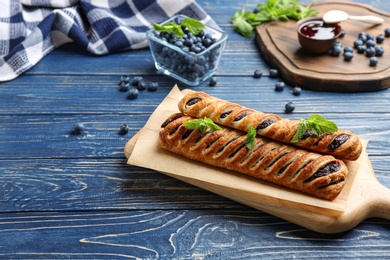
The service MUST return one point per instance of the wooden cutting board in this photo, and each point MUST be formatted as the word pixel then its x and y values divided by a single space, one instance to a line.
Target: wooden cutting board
pixel 367 198
pixel 279 46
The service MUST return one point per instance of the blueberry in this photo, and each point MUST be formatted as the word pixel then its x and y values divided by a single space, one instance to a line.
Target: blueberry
pixel 348 49
pixel 342 34
pixel 296 91
pixel 274 73
pixel 136 79
pixel 123 129
pixel 380 38
pixel 132 93
pixel 257 74
pixel 142 85
pixel 373 61
pixel 387 32
pixel 357 43
pixel 213 82
pixel 338 44
pixel 379 51
pixel 363 38
pixel 289 107
pixel 78 128
pixel 124 86
pixel 362 34
pixel 370 51
pixel 152 86
pixel 370 36
pixel 361 49
pixel 348 56
pixel 279 86
pixel 335 50
pixel 370 43
pixel 125 78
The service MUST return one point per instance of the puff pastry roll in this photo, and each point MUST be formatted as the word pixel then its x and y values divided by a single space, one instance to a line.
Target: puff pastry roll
pixel 342 144
pixel 322 176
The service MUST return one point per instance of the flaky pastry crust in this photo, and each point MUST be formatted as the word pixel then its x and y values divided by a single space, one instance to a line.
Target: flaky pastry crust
pixel 322 176
pixel 342 144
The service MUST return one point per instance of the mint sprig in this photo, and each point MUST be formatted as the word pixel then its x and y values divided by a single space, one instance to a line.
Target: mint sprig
pixel 202 124
pixel 316 124
pixel 250 139
pixel 272 10
pixel 191 24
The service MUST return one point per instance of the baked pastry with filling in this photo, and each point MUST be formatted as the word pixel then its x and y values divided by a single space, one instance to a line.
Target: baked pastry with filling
pixel 319 175
pixel 342 143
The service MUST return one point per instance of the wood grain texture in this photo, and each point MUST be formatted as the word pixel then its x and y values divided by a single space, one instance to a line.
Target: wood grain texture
pixel 278 44
pixel 70 196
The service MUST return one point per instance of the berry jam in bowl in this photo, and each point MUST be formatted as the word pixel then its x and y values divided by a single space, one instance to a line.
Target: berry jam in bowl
pixel 316 36
pixel 192 59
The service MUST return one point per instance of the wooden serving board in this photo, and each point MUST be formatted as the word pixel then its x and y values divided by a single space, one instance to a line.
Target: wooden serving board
pixel 279 46
pixel 367 198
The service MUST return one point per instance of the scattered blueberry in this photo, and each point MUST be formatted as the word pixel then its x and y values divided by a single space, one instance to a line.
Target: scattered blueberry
pixel 136 80
pixel 213 82
pixel 357 43
pixel 123 129
pixel 380 38
pixel 142 85
pixel 124 86
pixel 370 51
pixel 387 32
pixel 370 43
pixel 289 107
pixel 279 86
pixel 78 128
pixel 274 73
pixel 152 86
pixel 342 34
pixel 370 36
pixel 338 44
pixel 132 93
pixel 296 90
pixel 348 56
pixel 361 48
pixel 348 49
pixel 379 51
pixel 257 74
pixel 373 61
pixel 335 50
pixel 363 37
pixel 125 78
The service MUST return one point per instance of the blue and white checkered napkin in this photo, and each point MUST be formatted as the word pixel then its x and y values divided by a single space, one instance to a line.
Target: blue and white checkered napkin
pixel 30 29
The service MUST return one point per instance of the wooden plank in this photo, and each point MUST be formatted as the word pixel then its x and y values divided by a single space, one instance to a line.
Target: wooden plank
pixel 179 234
pixel 108 184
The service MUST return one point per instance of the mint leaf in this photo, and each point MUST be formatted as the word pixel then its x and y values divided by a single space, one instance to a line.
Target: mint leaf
pixel 271 10
pixel 317 124
pixel 241 24
pixel 169 27
pixel 250 138
pixel 202 124
pixel 193 25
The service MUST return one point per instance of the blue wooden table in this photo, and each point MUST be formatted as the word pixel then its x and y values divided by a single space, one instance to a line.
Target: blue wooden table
pixel 73 196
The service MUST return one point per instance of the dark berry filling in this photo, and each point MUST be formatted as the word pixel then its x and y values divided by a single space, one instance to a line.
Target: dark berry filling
pixel 240 116
pixel 338 141
pixel 265 124
pixel 186 134
pixel 307 134
pixel 167 122
pixel 325 170
pixel 173 130
pixel 225 114
pixel 193 101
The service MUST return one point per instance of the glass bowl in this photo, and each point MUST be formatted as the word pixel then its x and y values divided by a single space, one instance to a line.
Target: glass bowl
pixel 189 65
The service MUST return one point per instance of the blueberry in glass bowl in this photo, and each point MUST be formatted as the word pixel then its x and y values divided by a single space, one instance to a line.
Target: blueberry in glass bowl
pixel 191 59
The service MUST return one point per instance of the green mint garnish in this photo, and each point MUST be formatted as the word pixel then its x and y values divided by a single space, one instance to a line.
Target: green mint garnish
pixel 272 10
pixel 191 24
pixel 250 138
pixel 316 124
pixel 202 124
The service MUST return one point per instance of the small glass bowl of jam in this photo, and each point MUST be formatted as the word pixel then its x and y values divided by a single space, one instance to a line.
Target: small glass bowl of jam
pixel 316 36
